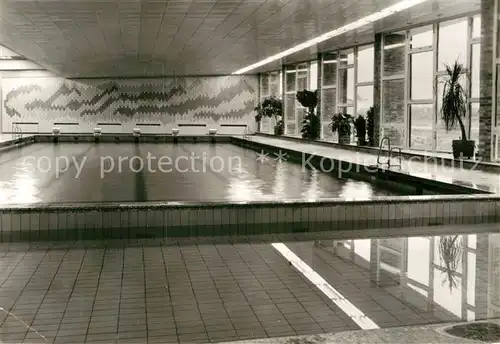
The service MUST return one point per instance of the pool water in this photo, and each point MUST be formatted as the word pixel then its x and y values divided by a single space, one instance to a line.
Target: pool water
pixel 108 172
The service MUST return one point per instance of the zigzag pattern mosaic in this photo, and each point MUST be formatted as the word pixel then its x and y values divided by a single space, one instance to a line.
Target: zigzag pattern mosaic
pixel 194 99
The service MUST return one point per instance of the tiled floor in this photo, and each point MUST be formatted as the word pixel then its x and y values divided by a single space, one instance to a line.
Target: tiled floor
pixel 159 294
pixel 213 290
pixel 476 178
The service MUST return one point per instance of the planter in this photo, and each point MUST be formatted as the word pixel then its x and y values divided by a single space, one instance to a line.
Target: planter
pixel 279 129
pixel 344 139
pixel 361 142
pixel 463 149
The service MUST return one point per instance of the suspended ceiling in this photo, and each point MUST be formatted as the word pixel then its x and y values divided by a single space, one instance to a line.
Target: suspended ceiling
pixel 123 38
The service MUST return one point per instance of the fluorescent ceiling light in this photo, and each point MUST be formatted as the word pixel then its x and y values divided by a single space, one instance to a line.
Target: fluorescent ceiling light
pixel 400 6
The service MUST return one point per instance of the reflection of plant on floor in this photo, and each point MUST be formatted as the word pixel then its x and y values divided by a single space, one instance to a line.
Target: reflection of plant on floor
pixel 450 252
pixel 487 332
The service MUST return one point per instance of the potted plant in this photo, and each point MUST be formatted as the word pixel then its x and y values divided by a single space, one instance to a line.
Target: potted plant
pixel 370 115
pixel 360 125
pixel 271 107
pixel 454 108
pixel 341 123
pixel 311 125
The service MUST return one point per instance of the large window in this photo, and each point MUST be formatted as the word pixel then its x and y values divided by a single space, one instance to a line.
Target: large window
pixel 270 85
pixel 413 62
pixel 347 78
pixel 296 79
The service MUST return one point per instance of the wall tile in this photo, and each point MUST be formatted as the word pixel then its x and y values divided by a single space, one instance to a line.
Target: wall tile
pixel 25 222
pixel 158 216
pixel 70 220
pixel 125 219
pixel 44 221
pixel 53 221
pixel 217 216
pixel 35 220
pixel 15 219
pixel 225 216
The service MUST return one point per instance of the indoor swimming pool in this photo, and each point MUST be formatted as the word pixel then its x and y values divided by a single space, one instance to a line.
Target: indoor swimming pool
pixel 128 172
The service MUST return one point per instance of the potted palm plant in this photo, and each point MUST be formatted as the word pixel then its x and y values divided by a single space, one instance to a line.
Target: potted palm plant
pixel 454 108
pixel 311 125
pixel 360 125
pixel 271 107
pixel 341 123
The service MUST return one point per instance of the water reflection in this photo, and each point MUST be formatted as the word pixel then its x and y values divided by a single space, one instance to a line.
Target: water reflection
pixel 22 187
pixel 445 278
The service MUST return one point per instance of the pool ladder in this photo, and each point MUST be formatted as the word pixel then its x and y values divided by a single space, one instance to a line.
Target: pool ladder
pixel 246 133
pixel 17 132
pixel 392 150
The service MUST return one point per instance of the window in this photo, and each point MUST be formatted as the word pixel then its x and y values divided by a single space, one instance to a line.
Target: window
pixel 270 85
pixel 411 103
pixel 365 64
pixel 452 43
pixel 347 85
pixel 421 37
pixel 421 76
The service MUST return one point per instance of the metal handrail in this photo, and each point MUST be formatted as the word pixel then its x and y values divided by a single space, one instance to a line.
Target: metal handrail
pixel 17 132
pixel 391 151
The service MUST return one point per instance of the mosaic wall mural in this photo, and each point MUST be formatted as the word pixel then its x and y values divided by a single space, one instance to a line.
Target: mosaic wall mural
pixel 162 102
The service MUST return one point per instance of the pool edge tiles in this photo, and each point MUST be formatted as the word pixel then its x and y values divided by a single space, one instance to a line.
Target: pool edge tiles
pixel 176 219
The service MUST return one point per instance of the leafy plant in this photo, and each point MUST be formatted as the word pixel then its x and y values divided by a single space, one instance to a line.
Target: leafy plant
pixel 450 252
pixel 271 107
pixel 370 115
pixel 311 124
pixel 454 98
pixel 360 125
pixel 341 123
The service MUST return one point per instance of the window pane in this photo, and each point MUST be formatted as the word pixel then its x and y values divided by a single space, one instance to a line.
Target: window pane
pixel 329 69
pixel 302 81
pixel 301 112
pixel 421 117
pixel 476 27
pixel 475 70
pixel 421 76
pixel 394 54
pixel 421 37
pixel 313 76
pixel 264 79
pixel 290 81
pixel 274 83
pixel 364 100
pixel 290 113
pixel 474 125
pixel 346 57
pixel 445 138
pixel 365 64
pixel 452 43
pixel 328 110
pixel 350 86
pixel 346 86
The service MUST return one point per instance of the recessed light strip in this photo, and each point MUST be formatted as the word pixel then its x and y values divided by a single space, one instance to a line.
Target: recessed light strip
pixel 400 6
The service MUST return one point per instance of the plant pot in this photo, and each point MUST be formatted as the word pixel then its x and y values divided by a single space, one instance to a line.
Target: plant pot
pixel 344 139
pixel 278 129
pixel 361 142
pixel 463 148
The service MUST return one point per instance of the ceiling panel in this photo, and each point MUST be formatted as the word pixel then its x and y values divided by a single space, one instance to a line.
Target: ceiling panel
pixel 103 38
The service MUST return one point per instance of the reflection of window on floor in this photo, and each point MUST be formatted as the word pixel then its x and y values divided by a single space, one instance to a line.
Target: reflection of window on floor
pixel 417 269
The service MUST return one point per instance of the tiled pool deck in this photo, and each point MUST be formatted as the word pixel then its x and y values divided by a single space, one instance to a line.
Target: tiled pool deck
pixel 195 291
pixel 473 178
